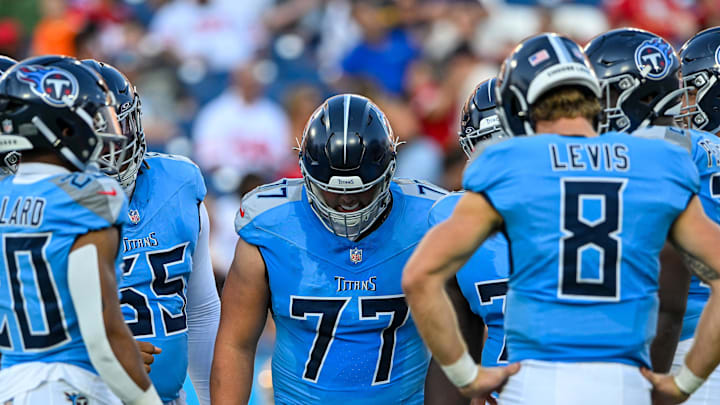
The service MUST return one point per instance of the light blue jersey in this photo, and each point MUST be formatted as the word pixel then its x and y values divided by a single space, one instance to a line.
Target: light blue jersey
pixel 41 216
pixel 586 219
pixel 705 152
pixel 344 332
pixel 157 249
pixel 483 283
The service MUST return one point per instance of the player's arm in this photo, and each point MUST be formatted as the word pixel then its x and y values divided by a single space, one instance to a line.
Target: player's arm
pixel 438 389
pixel 110 345
pixel 203 311
pixel 441 253
pixel 699 237
pixel 245 301
pixel 673 292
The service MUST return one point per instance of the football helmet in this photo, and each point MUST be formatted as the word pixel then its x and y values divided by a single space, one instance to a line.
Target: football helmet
pixel 9 160
pixel 348 147
pixel 55 104
pixel 700 76
pixel 479 120
pixel 128 112
pixel 638 77
pixel 537 65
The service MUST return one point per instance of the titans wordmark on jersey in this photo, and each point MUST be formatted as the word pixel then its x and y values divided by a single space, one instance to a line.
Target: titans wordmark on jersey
pixel 483 283
pixel 40 219
pixel 597 210
pixel 157 249
pixel 344 332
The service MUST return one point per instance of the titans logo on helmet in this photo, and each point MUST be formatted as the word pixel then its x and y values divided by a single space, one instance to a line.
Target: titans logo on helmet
pixel 56 87
pixel 717 55
pixel 652 58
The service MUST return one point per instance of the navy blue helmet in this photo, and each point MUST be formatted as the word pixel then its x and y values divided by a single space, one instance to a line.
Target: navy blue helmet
pixel 479 121
pixel 538 65
pixel 128 112
pixel 638 77
pixel 55 104
pixel 348 147
pixel 9 160
pixel 700 77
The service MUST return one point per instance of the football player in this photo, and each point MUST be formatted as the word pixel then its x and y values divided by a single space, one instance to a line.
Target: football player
pixel 639 70
pixel 479 287
pixel 324 254
pixel 62 334
pixel 8 160
pixel 699 61
pixel 168 293
pixel 586 218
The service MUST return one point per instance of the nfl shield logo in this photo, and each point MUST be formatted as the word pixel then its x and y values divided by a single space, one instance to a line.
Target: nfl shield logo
pixel 134 216
pixel 355 255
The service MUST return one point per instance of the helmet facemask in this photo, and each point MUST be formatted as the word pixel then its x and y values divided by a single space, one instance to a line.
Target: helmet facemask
pixel 489 128
pixel 133 153
pixel 695 87
pixel 349 225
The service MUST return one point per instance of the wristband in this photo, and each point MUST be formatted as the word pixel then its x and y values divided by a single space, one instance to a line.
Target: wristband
pixel 687 381
pixel 462 372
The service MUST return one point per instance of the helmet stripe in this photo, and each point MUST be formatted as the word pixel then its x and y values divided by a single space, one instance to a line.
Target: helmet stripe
pixel 560 50
pixel 346 118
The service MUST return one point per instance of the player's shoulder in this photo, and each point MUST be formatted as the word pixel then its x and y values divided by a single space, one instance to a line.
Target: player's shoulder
pixel 172 165
pixel 420 189
pixel 96 192
pixel 444 206
pixel 674 136
pixel 264 199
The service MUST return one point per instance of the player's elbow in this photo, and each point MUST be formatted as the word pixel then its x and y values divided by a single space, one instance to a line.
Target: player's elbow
pixel 414 280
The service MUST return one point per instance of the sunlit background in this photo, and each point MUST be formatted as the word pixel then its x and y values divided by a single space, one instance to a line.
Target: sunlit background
pixel 230 83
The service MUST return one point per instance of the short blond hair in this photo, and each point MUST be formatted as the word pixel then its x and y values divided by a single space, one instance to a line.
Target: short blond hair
pixel 566 102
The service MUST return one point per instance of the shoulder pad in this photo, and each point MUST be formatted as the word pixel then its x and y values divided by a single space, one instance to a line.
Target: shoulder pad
pixel 267 197
pixel 98 193
pixel 177 158
pixel 677 136
pixel 420 188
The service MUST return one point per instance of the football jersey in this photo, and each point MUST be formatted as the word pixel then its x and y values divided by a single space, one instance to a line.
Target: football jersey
pixel 483 283
pixel 157 249
pixel 343 329
pixel 41 216
pixel 705 152
pixel 586 219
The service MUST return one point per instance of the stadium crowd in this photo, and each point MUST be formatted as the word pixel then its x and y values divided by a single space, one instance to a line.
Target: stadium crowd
pixel 231 84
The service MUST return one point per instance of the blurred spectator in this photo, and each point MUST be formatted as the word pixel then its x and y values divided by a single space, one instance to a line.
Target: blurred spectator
pixel 243 130
pixel 708 13
pixel 221 33
pixel 300 103
pixel 419 157
pixel 10 36
pixel 668 18
pixel 55 33
pixel 385 52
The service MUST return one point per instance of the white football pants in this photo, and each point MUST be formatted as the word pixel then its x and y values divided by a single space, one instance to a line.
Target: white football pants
pixel 53 384
pixel 555 383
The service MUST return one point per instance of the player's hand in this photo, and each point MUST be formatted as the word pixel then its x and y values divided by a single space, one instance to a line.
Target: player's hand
pixel 148 351
pixel 665 391
pixel 489 379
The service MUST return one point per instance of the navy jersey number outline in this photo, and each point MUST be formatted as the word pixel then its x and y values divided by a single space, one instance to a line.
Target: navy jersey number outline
pixel 580 234
pixel 55 333
pixel 162 286
pixel 329 310
pixel 489 292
